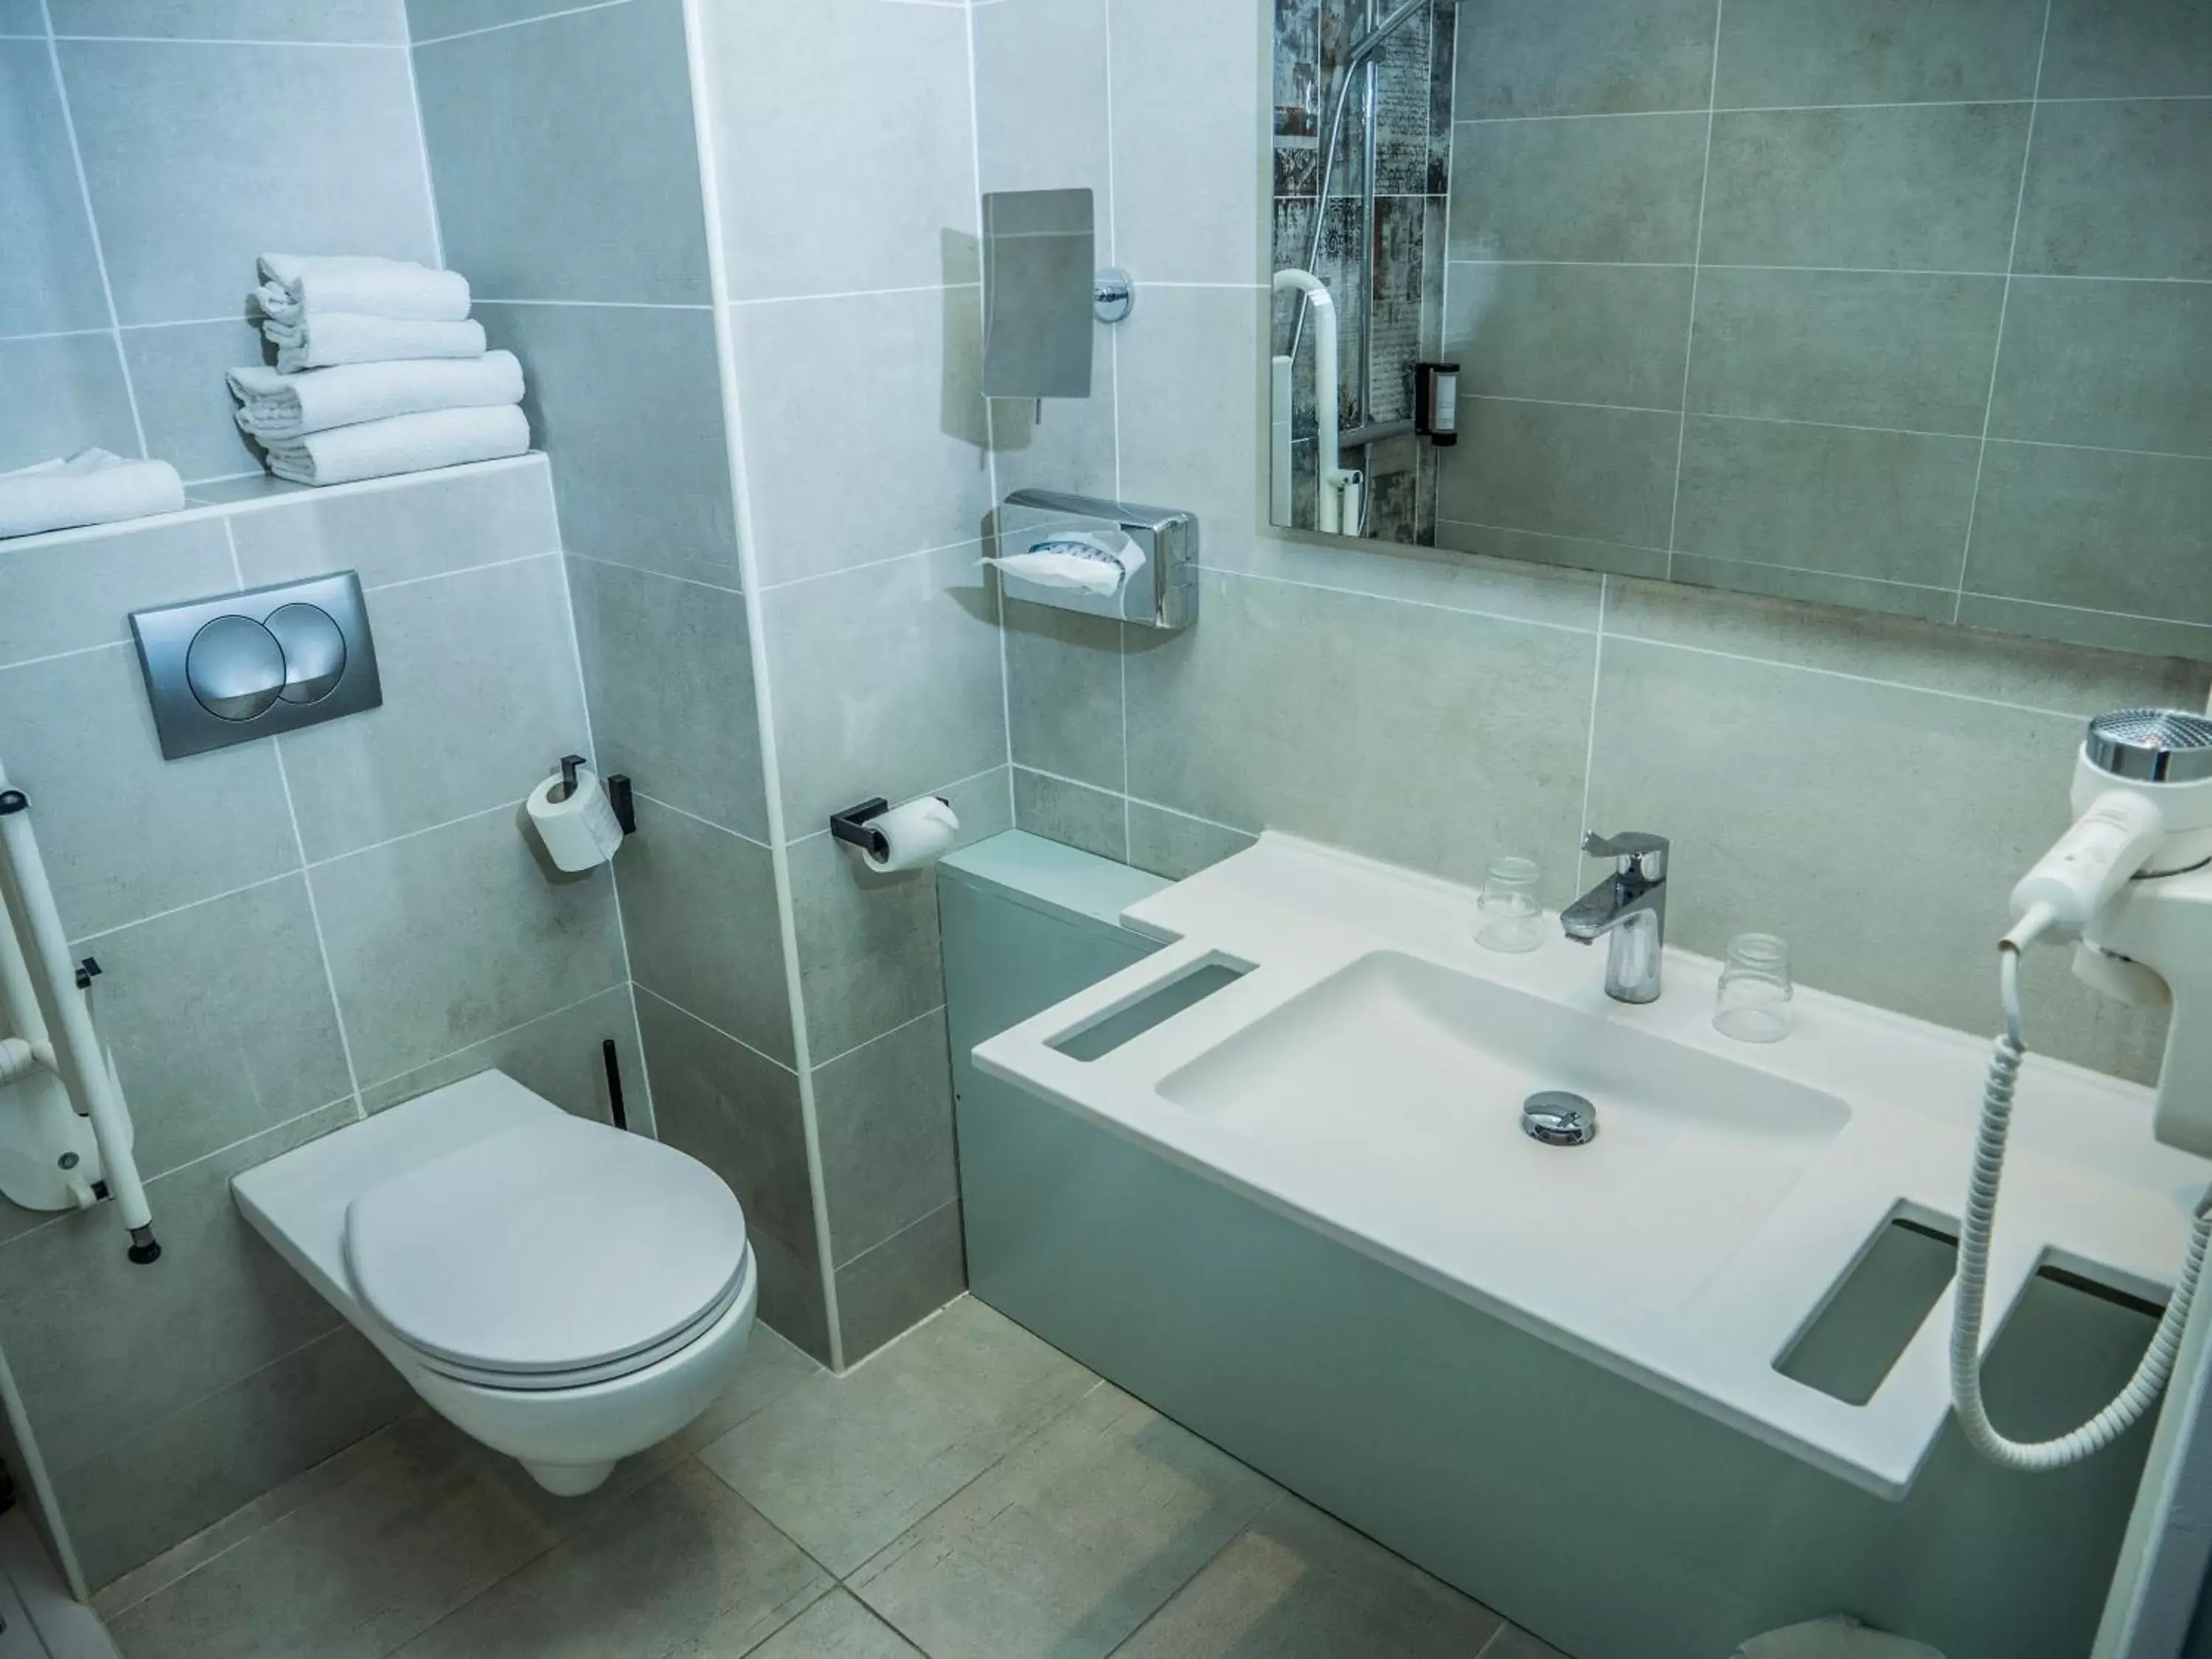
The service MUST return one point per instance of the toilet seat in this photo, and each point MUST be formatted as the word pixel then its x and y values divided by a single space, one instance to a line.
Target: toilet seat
pixel 553 1255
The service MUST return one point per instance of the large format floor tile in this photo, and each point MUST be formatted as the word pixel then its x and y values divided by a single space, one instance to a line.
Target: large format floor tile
pixel 847 1464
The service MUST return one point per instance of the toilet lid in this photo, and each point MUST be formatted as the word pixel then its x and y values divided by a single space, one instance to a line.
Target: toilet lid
pixel 555 1247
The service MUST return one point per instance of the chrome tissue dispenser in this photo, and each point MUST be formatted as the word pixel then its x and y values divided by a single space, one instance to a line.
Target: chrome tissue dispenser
pixel 1159 589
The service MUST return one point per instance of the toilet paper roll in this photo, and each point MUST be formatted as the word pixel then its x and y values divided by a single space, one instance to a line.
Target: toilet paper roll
pixel 921 832
pixel 580 829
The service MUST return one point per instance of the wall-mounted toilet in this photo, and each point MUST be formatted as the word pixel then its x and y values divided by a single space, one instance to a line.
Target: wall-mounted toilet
pixel 563 1292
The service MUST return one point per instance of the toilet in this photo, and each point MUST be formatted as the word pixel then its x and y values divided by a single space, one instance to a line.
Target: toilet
pixel 563 1292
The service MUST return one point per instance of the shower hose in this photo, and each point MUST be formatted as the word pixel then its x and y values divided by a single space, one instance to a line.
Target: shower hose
pixel 2157 1365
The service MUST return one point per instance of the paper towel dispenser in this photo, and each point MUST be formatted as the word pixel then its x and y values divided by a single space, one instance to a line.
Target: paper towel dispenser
pixel 1148 555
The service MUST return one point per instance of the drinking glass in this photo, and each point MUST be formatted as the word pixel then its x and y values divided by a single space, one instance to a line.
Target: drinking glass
pixel 1512 910
pixel 1752 1004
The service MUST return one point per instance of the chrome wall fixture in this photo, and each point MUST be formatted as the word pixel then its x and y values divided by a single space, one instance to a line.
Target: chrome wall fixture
pixel 245 666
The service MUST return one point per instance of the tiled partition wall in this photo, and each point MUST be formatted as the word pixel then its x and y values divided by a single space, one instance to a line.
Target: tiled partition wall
pixel 1869 788
pixel 563 144
pixel 292 933
pixel 147 153
pixel 844 151
pixel 1901 306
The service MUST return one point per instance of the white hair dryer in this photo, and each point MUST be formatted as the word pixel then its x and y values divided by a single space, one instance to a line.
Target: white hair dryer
pixel 2131 881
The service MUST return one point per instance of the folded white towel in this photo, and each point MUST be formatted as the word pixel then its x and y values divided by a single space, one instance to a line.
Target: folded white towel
pixel 321 338
pixel 285 406
pixel 361 283
pixel 404 443
pixel 91 487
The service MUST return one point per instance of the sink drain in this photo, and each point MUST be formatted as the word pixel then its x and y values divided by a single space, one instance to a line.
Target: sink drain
pixel 1558 1118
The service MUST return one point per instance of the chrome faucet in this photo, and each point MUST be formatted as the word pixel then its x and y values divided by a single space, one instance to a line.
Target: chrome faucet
pixel 1630 905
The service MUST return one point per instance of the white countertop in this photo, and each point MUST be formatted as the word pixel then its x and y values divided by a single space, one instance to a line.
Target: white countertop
pixel 2085 1186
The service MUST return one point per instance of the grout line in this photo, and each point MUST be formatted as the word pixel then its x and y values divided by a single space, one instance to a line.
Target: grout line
pixel 63 656
pixel 1799 109
pixel 740 487
pixel 1135 801
pixel 875 564
pixel 644 570
pixel 520 1025
pixel 723 829
pixel 1590 750
pixel 423 148
pixel 193 904
pixel 669 1002
pixel 411 834
pixel 1569 402
pixel 51 333
pixel 2005 304
pixel 92 226
pixel 1113 360
pixel 930 1013
pixel 597 305
pixel 220 41
pixel 1424 605
pixel 520 22
pixel 856 294
pixel 1690 337
pixel 459 570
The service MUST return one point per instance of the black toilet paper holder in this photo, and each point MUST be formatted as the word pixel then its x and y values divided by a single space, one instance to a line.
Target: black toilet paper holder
pixel 618 791
pixel 852 825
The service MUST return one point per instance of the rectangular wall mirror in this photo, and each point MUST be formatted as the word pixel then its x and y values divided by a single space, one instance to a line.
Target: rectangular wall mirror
pixel 1039 254
pixel 1913 330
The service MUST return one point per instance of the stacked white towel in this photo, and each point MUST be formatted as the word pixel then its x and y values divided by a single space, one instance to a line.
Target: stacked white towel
pixel 91 487
pixel 379 369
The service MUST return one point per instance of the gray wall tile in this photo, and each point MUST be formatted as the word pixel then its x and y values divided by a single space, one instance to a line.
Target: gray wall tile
pixel 2111 364
pixel 221 1021
pixel 1074 814
pixel 1189 93
pixel 480 698
pixel 868 957
pixel 1932 188
pixel 2082 683
pixel 420 525
pixel 433 19
pixel 1064 692
pixel 66 596
pixel 179 235
pixel 1880 504
pixel 900 1283
pixel 2105 531
pixel 1967 783
pixel 1624 189
pixel 2128 49
pixel 1583 334
pixel 1390 570
pixel 628 399
pixel 1172 845
pixel 838 480
pixel 564 159
pixel 2091 628
pixel 1193 385
pixel 556 1055
pixel 382 23
pixel 1584 57
pixel 1562 469
pixel 1489 542
pixel 512 942
pixel 1820 587
pixel 51 278
pixel 669 675
pixel 82 401
pixel 1042 120
pixel 700 910
pixel 2119 189
pixel 1877 52
pixel 166 1480
pixel 886 1111
pixel 928 707
pixel 1857 349
pixel 878 201
pixel 79 1319
pixel 23 17
pixel 126 834
pixel 1350 702
pixel 738 1114
pixel 184 401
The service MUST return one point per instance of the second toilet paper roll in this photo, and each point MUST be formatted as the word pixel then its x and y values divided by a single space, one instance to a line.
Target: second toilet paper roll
pixel 921 832
pixel 580 828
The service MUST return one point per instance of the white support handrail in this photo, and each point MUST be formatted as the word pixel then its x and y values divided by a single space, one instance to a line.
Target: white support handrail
pixel 74 1051
pixel 1334 483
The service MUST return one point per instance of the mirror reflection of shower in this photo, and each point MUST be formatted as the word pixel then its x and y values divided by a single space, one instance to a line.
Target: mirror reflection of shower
pixel 1363 91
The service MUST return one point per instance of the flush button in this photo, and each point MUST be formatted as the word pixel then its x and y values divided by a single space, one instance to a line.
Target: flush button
pixel 314 651
pixel 235 668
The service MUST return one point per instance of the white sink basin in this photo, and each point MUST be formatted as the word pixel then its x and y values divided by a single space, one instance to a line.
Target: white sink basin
pixel 1365 1077
pixel 1408 1078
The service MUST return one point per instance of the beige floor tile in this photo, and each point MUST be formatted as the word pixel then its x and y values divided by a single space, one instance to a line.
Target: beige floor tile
pixel 417 1531
pixel 1070 1542
pixel 1299 1584
pixel 681 1566
pixel 844 1465
pixel 836 1627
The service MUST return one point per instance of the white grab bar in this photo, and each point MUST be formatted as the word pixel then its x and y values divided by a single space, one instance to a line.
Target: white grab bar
pixel 75 1051
pixel 1335 483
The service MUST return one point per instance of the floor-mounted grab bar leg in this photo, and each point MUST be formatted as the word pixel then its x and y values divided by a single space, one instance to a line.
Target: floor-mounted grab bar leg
pixel 82 1060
